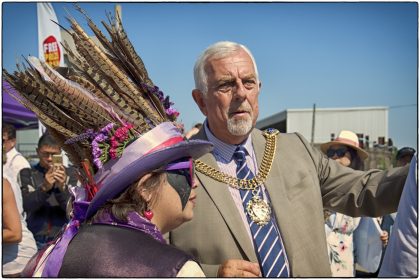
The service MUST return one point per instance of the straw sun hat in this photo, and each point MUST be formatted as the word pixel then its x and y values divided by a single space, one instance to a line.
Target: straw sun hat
pixel 349 139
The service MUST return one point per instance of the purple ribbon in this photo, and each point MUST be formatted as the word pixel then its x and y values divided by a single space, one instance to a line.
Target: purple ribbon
pixel 56 256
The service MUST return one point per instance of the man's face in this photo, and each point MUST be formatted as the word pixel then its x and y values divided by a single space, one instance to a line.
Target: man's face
pixel 8 143
pixel 45 154
pixel 231 103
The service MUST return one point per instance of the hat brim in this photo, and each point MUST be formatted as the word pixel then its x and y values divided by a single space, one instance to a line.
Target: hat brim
pixel 147 163
pixel 360 152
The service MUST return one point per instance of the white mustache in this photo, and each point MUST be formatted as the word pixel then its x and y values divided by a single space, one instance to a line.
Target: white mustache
pixel 246 107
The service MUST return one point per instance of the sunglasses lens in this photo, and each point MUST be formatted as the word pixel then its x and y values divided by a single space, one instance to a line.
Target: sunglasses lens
pixel 180 176
pixel 339 152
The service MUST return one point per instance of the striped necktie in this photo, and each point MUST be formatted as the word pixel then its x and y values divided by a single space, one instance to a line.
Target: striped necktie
pixel 267 240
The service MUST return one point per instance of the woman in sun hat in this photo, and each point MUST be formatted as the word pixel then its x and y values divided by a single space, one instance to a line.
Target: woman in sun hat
pixel 340 228
pixel 345 150
pixel 136 168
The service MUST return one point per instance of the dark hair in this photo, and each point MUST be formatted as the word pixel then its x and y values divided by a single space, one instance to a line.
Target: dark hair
pixel 10 130
pixel 131 199
pixel 198 125
pixel 47 140
pixel 406 151
pixel 356 161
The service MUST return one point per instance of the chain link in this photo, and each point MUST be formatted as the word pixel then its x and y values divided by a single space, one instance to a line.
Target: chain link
pixel 244 184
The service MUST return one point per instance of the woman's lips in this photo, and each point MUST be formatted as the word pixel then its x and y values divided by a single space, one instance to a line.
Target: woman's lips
pixel 192 199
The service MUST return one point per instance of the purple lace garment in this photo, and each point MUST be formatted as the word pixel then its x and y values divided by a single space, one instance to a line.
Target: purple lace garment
pixel 134 221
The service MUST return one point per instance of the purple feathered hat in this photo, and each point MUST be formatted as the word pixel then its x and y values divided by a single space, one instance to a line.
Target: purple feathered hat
pixel 158 147
pixel 114 124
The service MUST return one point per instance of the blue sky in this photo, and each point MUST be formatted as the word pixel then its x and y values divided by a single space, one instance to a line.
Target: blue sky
pixel 332 54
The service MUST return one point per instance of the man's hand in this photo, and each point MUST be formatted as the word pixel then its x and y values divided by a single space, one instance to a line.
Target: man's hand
pixel 49 180
pixel 60 176
pixel 239 268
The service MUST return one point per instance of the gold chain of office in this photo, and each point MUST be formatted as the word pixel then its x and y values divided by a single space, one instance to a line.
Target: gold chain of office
pixel 245 184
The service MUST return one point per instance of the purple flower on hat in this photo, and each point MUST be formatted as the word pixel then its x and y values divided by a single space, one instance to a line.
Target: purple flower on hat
pixel 167 104
pixel 100 138
pixel 96 151
pixel 110 143
pixel 84 136
pixel 107 128
pixel 97 162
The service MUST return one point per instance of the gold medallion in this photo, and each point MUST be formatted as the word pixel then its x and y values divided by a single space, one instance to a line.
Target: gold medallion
pixel 259 210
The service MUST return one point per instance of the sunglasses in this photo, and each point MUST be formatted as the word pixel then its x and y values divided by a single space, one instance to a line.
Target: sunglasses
pixel 180 175
pixel 47 154
pixel 339 152
pixel 184 167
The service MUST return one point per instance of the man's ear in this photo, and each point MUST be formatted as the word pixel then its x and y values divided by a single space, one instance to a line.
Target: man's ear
pixel 199 99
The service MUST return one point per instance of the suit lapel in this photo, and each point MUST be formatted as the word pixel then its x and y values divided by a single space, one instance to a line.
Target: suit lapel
pixel 223 200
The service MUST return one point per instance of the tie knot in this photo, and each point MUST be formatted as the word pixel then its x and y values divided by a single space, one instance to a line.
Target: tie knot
pixel 239 154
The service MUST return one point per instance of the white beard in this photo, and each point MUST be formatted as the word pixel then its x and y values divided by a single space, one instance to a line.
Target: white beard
pixel 239 127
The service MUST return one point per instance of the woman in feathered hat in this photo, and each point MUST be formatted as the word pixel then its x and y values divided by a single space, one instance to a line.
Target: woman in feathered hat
pixel 136 168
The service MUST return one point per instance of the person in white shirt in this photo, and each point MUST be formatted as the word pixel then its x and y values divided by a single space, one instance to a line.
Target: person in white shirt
pixel 15 160
pixel 16 253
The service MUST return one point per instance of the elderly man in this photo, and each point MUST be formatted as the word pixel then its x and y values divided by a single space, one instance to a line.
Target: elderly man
pixel 260 209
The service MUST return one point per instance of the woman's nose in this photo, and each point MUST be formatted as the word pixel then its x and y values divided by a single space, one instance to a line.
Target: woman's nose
pixel 195 182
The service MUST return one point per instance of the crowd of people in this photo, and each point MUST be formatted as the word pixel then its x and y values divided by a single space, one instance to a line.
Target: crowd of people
pixel 225 199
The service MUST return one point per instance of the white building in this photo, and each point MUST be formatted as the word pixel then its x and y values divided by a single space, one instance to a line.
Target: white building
pixel 371 121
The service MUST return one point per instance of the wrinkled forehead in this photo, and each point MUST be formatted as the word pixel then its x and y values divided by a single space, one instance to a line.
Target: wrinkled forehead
pixel 227 64
pixel 226 52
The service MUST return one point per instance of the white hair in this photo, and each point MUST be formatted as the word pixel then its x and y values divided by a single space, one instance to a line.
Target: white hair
pixel 217 50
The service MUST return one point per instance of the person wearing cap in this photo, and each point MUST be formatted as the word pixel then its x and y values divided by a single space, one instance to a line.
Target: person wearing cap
pixel 135 167
pixel 404 156
pixel 265 185
pixel 340 228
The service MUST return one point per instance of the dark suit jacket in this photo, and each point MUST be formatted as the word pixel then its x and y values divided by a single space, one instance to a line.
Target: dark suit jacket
pixel 301 183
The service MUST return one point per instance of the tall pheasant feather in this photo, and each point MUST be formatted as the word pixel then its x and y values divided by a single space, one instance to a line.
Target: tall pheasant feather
pixel 108 83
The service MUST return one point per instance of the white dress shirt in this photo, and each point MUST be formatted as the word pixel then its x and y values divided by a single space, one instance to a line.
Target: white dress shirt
pixel 14 164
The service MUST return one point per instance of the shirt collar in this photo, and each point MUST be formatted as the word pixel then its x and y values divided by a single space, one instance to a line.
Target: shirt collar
pixel 11 153
pixel 223 149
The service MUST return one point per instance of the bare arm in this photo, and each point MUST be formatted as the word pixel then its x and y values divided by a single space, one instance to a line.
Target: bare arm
pixel 12 228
